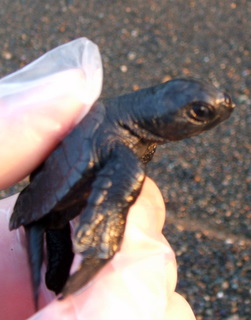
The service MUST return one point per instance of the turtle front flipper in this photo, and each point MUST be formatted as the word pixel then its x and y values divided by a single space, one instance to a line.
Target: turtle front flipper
pixel 102 224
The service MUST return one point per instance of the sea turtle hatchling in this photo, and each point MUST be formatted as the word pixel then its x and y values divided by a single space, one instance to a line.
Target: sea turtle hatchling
pixel 97 172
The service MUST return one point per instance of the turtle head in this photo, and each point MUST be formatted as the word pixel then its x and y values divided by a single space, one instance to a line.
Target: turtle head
pixel 187 107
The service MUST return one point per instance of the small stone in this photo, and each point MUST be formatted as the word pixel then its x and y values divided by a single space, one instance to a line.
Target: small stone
pixel 23 36
pixel 229 241
pixel 207 298
pixel 123 68
pixel 186 71
pixel 225 285
pixel 134 33
pixel 7 55
pixel 131 55
pixel 197 178
pixel 62 28
pixel 140 61
pixel 220 294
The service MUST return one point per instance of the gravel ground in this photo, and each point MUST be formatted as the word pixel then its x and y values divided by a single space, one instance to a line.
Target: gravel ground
pixel 206 181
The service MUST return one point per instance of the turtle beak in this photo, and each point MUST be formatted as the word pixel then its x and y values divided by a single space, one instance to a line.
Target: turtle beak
pixel 226 105
pixel 227 102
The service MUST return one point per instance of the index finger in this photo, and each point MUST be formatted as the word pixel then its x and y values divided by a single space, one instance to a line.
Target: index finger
pixel 38 108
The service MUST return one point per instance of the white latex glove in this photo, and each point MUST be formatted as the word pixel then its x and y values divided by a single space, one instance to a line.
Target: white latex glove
pixel 42 102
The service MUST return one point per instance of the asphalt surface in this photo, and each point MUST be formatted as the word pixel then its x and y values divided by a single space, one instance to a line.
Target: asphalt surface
pixel 206 181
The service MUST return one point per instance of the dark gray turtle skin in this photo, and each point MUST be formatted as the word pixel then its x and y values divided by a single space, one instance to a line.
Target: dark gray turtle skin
pixel 97 173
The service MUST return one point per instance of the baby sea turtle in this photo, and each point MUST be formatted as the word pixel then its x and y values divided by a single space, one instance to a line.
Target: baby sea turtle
pixel 97 172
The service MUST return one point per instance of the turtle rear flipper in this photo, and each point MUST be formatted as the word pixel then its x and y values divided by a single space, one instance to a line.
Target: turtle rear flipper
pixel 35 235
pixel 59 256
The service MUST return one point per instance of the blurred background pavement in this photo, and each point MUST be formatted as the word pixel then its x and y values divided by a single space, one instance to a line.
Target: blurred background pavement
pixel 205 181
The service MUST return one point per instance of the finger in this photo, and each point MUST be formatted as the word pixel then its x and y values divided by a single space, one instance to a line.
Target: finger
pixel 139 282
pixel 148 213
pixel 16 299
pixel 28 134
pixel 42 102
pixel 144 243
pixel 178 308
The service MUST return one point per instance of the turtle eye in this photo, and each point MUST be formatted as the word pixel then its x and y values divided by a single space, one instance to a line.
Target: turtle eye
pixel 201 112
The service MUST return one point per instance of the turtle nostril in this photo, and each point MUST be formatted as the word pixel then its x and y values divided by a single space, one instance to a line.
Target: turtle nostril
pixel 228 101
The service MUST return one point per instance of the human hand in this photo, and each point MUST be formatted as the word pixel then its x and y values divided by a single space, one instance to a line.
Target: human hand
pixel 139 282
